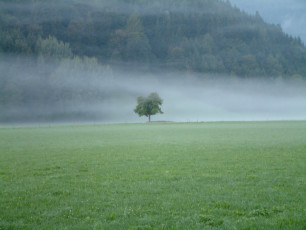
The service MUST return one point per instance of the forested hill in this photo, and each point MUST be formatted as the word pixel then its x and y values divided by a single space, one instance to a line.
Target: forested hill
pixel 206 36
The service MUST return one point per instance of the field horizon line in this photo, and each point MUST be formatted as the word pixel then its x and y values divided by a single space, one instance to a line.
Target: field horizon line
pixel 69 124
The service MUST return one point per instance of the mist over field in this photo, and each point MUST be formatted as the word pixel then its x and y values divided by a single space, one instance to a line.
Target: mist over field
pixel 77 93
pixel 66 66
pixel 88 61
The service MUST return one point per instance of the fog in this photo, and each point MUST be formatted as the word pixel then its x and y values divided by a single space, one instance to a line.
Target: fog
pixel 81 90
pixel 24 10
pixel 290 14
pixel 108 95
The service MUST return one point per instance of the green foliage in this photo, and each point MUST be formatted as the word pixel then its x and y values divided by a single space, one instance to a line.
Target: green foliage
pixel 33 85
pixel 137 46
pixel 147 106
pixel 51 49
pixel 198 36
pixel 67 38
pixel 226 175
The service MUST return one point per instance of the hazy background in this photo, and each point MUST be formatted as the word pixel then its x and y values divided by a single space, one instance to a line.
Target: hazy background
pixel 112 98
pixel 290 14
pixel 61 85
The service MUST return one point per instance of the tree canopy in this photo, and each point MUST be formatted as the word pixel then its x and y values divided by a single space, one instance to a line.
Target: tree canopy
pixel 206 36
pixel 148 106
pixel 48 47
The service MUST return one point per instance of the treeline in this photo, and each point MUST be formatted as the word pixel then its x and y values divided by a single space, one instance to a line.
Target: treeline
pixel 46 89
pixel 57 57
pixel 206 36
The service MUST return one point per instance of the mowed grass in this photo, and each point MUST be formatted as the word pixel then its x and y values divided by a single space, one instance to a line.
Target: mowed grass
pixel 231 175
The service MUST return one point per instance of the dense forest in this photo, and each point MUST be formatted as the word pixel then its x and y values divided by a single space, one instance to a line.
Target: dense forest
pixel 53 43
pixel 197 35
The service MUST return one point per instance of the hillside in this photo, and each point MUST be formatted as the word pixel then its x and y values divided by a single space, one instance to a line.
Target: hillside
pixel 76 60
pixel 206 36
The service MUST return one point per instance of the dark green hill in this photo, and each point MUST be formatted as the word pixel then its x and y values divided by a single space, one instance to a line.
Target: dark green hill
pixel 206 36
pixel 85 60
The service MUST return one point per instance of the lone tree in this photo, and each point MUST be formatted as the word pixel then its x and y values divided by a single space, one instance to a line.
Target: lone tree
pixel 148 106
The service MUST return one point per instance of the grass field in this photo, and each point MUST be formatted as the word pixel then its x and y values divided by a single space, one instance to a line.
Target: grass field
pixel 225 175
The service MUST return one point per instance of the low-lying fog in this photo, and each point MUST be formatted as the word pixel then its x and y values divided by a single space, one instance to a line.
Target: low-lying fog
pixel 72 92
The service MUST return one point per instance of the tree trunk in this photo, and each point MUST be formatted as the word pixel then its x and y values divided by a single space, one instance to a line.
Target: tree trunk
pixel 149 118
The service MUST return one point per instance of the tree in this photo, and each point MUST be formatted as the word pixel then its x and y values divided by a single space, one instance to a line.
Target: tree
pixel 50 49
pixel 137 44
pixel 148 106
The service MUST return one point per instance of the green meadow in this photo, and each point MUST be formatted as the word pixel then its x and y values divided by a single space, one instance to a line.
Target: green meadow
pixel 223 175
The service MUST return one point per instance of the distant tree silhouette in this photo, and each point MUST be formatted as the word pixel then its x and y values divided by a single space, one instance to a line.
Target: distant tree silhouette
pixel 148 106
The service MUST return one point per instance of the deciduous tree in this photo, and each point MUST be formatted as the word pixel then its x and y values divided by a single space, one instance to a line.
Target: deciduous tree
pixel 147 106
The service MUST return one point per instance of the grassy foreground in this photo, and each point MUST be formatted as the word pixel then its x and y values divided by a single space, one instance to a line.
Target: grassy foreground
pixel 231 175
